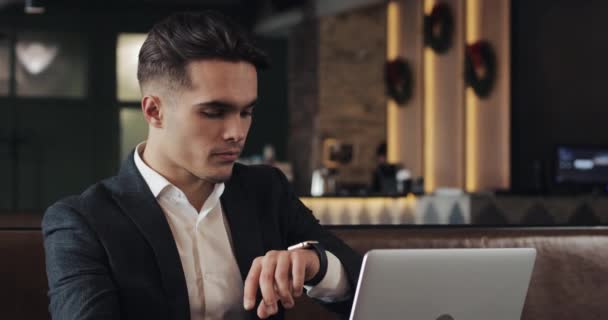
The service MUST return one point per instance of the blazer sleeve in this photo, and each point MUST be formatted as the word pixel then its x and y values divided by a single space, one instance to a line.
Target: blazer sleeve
pixel 302 225
pixel 80 284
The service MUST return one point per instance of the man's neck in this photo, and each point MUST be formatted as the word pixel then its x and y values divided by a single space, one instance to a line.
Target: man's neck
pixel 196 190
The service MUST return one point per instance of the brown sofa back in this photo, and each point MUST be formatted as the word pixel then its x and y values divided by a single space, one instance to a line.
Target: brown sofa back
pixel 23 284
pixel 570 279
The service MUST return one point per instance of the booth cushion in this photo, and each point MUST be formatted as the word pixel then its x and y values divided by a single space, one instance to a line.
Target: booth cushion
pixel 570 278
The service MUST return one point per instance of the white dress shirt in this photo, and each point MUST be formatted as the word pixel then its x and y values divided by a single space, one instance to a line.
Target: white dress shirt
pixel 215 287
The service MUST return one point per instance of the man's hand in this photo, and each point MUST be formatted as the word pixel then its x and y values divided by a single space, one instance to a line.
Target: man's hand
pixel 280 275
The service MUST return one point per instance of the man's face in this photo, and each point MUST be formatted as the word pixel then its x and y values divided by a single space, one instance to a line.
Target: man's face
pixel 205 128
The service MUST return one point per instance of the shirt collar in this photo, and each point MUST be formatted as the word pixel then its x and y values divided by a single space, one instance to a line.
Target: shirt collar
pixel 157 183
pixel 212 201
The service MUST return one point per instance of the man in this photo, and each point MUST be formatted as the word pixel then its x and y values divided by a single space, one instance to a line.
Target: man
pixel 183 232
pixel 384 177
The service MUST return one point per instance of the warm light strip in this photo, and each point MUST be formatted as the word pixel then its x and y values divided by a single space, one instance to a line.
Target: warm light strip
pixel 429 112
pixel 362 210
pixel 506 88
pixel 428 6
pixel 392 52
pixel 472 104
pixel 472 177
pixel 392 49
pixel 392 132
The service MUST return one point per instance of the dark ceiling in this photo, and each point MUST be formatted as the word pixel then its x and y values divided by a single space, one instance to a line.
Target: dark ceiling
pixel 121 11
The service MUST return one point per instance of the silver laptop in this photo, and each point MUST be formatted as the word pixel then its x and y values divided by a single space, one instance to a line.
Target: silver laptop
pixel 443 284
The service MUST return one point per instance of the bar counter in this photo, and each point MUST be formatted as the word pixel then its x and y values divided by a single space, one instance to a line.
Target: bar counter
pixel 462 209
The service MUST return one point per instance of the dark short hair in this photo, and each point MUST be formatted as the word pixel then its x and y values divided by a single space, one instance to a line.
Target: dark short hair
pixel 184 37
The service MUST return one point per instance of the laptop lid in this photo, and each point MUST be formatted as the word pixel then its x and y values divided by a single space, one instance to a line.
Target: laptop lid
pixel 443 284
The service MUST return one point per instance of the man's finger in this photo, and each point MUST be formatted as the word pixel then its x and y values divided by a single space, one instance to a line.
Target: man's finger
pixel 269 263
pixel 281 277
pixel 265 311
pixel 298 269
pixel 251 284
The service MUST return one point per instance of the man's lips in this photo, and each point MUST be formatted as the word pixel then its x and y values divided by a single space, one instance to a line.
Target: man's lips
pixel 228 155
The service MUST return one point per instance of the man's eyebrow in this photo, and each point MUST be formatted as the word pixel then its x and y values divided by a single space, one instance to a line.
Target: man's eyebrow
pixel 218 104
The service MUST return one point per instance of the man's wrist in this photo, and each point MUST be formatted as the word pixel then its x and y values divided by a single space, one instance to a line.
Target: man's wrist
pixel 319 250
pixel 312 264
pixel 335 286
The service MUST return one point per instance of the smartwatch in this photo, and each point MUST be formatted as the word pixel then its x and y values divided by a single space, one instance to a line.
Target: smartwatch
pixel 320 251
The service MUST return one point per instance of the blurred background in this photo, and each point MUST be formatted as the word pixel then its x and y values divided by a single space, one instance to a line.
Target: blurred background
pixel 465 111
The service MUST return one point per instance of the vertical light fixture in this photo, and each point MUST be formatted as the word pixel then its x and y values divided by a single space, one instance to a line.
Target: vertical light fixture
pixel 429 111
pixel 392 52
pixel 127 53
pixel 472 104
pixel 34 7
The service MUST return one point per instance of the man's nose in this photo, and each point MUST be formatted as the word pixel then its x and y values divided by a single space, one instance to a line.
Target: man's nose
pixel 235 129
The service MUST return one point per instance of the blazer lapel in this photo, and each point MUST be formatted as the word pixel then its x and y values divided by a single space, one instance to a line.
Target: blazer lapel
pixel 243 222
pixel 245 228
pixel 136 200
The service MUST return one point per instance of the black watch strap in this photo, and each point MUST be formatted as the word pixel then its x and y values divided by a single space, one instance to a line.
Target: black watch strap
pixel 322 264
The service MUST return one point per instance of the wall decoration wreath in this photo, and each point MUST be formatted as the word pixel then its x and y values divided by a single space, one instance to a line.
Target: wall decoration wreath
pixel 439 28
pixel 398 79
pixel 480 68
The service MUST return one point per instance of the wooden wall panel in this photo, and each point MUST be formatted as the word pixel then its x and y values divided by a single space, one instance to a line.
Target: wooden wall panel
pixel 445 132
pixel 444 107
pixel 488 119
pixel 405 123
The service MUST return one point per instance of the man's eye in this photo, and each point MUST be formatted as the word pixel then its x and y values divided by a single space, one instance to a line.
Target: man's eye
pixel 213 114
pixel 245 114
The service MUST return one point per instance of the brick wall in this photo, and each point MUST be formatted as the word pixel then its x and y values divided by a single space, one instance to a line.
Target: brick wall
pixel 303 102
pixel 352 100
pixel 336 90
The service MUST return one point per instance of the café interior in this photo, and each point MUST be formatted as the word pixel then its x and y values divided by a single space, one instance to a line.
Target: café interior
pixel 400 124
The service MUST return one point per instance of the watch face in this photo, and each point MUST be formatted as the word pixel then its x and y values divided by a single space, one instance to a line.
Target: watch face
pixel 303 245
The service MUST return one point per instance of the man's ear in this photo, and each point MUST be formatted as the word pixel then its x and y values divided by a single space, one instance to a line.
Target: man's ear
pixel 153 112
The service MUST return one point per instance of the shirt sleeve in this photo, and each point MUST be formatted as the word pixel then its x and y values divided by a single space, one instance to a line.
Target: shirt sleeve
pixel 334 286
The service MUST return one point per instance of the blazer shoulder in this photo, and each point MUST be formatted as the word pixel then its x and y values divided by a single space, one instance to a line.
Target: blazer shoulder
pixel 95 196
pixel 260 175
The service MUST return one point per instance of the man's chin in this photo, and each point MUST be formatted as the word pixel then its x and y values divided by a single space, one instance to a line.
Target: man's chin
pixel 219 179
pixel 221 175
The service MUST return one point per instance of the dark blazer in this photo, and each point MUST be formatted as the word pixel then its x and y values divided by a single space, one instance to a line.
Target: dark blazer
pixel 110 253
